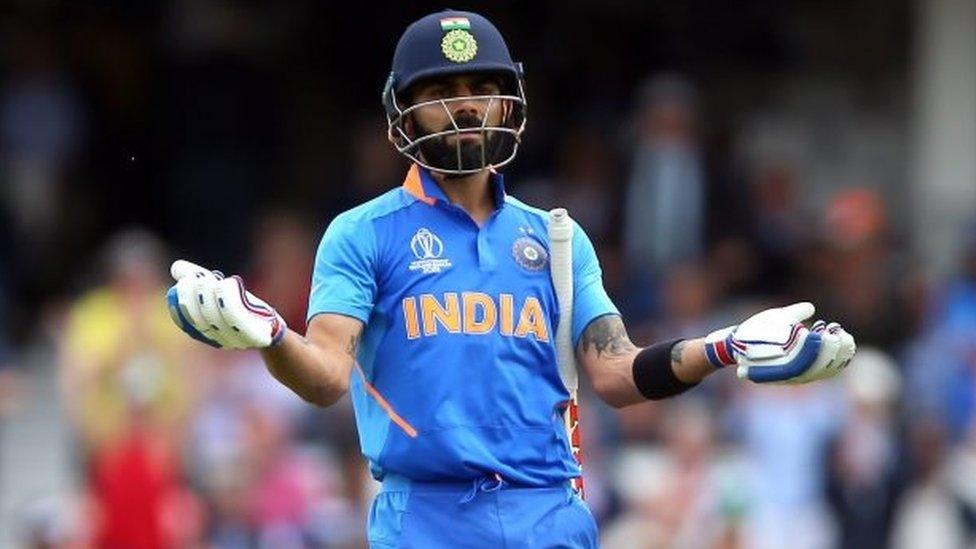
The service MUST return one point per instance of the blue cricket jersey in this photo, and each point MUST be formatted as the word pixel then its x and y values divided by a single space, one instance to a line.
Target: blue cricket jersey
pixel 456 374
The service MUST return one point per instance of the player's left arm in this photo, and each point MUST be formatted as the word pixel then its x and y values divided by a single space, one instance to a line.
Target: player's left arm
pixel 605 351
pixel 608 356
pixel 772 346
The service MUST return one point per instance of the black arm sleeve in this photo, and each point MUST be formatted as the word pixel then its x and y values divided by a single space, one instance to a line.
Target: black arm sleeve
pixel 653 374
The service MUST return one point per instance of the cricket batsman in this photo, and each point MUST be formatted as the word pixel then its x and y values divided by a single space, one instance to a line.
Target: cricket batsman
pixel 435 306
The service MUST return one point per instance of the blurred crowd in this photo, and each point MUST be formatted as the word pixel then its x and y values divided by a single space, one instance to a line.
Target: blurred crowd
pixel 698 223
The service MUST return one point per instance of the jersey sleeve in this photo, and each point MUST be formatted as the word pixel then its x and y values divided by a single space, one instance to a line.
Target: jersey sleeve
pixel 344 280
pixel 590 299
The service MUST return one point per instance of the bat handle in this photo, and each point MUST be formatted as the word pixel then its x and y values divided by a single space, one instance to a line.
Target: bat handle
pixel 560 227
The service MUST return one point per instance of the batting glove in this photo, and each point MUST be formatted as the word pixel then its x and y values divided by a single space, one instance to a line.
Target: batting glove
pixel 774 346
pixel 218 311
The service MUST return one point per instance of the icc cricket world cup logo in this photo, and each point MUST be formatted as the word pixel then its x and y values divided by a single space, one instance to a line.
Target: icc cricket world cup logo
pixel 426 245
pixel 428 248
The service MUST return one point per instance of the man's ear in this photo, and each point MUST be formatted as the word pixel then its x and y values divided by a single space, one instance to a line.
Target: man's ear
pixel 408 124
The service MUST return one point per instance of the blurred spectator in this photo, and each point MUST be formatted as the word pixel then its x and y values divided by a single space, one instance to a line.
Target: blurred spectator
pixel 674 200
pixel 866 464
pixel 230 386
pixel 941 361
pixel 931 514
pixel 262 486
pixel 961 472
pixel 780 228
pixel 646 472
pixel 121 353
pixel 124 377
pixel 785 434
pixel 685 495
pixel 42 130
pixel 666 193
pixel 859 279
pixel 137 495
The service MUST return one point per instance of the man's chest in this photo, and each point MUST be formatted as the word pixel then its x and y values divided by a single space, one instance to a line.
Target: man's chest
pixel 442 276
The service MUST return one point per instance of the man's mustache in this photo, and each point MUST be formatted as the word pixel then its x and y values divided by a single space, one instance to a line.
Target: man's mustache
pixel 465 121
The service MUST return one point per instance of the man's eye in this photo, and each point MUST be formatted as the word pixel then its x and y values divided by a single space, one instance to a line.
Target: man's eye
pixel 430 94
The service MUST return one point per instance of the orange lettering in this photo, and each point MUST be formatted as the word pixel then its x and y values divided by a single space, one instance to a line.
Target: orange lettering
pixel 532 321
pixel 478 304
pixel 410 317
pixel 448 316
pixel 508 317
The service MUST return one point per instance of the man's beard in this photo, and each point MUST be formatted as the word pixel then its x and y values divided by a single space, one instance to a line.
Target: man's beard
pixel 474 154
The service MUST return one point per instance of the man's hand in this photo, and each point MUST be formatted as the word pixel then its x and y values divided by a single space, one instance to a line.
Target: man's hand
pixel 774 346
pixel 218 311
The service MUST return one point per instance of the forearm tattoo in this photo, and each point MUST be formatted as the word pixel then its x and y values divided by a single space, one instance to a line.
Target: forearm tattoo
pixel 608 336
pixel 353 347
pixel 677 351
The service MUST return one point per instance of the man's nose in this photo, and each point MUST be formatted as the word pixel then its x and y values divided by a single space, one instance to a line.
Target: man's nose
pixel 465 104
pixel 467 108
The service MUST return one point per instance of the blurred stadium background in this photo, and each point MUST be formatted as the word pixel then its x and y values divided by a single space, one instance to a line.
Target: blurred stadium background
pixel 724 156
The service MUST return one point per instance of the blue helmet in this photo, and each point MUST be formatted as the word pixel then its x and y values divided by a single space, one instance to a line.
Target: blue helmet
pixel 449 43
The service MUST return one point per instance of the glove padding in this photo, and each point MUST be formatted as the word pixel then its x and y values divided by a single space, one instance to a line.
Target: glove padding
pixel 773 346
pixel 218 311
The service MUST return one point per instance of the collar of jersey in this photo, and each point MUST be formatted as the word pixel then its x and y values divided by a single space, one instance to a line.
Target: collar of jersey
pixel 422 186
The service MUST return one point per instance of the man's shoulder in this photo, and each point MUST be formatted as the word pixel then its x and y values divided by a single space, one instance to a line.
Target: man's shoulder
pixel 541 215
pixel 512 201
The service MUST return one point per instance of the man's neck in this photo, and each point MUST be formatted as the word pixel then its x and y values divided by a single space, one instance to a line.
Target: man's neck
pixel 472 193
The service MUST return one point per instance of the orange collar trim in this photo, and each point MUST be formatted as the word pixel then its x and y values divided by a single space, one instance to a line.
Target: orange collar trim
pixel 413 185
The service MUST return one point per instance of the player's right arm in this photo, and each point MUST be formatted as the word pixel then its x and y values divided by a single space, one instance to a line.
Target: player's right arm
pixel 220 312
pixel 317 366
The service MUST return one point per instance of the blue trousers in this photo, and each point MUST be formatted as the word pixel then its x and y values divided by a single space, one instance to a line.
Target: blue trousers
pixel 484 513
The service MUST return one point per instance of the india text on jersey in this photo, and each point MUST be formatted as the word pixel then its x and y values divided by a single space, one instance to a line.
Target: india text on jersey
pixel 474 313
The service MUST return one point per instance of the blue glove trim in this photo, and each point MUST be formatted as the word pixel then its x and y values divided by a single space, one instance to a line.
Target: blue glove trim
pixel 803 360
pixel 176 312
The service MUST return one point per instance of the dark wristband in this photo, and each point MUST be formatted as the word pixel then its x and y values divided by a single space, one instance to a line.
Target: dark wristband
pixel 653 374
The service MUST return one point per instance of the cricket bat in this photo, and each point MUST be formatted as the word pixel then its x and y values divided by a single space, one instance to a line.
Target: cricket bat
pixel 561 269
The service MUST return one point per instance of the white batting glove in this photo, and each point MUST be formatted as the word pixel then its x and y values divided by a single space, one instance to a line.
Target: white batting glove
pixel 774 346
pixel 218 311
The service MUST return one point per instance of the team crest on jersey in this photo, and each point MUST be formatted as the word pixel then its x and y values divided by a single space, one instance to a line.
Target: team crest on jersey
pixel 530 254
pixel 428 248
